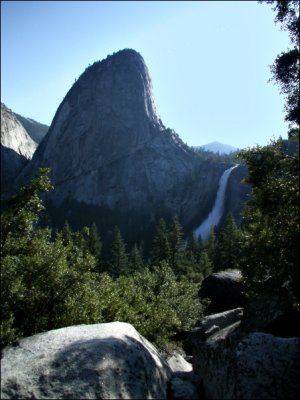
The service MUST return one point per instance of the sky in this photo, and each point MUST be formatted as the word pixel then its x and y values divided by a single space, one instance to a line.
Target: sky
pixel 209 61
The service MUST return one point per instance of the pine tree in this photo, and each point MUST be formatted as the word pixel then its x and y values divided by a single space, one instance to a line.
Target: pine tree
pixel 228 246
pixel 80 239
pixel 286 67
pixel 118 262
pixel 193 247
pixel 175 241
pixel 186 258
pixel 210 246
pixel 95 246
pixel 205 265
pixel 161 246
pixel 45 283
pixel 271 230
pixel 22 211
pixel 66 234
pixel 136 260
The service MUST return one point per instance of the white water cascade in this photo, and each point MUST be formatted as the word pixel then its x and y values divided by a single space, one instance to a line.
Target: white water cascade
pixel 215 215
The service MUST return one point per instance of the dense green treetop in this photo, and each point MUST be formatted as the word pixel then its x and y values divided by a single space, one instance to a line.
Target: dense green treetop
pixel 271 218
pixel 286 67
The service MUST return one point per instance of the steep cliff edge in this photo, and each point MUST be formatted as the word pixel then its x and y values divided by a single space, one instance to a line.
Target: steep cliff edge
pixel 17 148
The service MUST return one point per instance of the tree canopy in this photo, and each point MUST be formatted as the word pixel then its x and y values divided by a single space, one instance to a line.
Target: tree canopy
pixel 55 279
pixel 286 67
pixel 271 218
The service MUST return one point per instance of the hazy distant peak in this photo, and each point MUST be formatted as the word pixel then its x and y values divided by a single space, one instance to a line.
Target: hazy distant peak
pixel 32 121
pixel 218 147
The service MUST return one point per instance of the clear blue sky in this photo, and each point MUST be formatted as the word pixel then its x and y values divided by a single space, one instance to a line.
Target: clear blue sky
pixel 208 60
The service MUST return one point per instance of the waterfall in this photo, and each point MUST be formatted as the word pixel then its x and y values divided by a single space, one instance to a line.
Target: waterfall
pixel 215 215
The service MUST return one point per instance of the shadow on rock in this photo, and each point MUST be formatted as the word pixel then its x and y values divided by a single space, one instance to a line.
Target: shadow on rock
pixel 107 368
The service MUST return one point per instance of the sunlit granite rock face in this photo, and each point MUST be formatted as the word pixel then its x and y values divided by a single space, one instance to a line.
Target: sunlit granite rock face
pixel 107 147
pixel 17 147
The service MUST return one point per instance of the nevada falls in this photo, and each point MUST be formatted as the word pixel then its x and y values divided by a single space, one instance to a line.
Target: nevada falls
pixel 216 213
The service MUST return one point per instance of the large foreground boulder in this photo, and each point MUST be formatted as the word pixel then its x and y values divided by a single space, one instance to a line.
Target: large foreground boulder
pixel 224 289
pixel 101 361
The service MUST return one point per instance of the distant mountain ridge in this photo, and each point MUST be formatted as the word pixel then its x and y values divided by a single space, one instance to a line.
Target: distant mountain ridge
pixel 217 147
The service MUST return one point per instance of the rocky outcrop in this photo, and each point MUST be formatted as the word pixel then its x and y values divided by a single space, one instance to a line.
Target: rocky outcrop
pixel 101 361
pixel 260 366
pixel 216 326
pixel 238 356
pixel 17 148
pixel 109 153
pixel 224 289
pixel 179 365
pixel 35 130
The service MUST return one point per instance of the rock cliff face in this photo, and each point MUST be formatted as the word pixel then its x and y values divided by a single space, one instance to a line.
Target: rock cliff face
pixel 258 366
pixel 17 147
pixel 109 151
pixel 35 129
